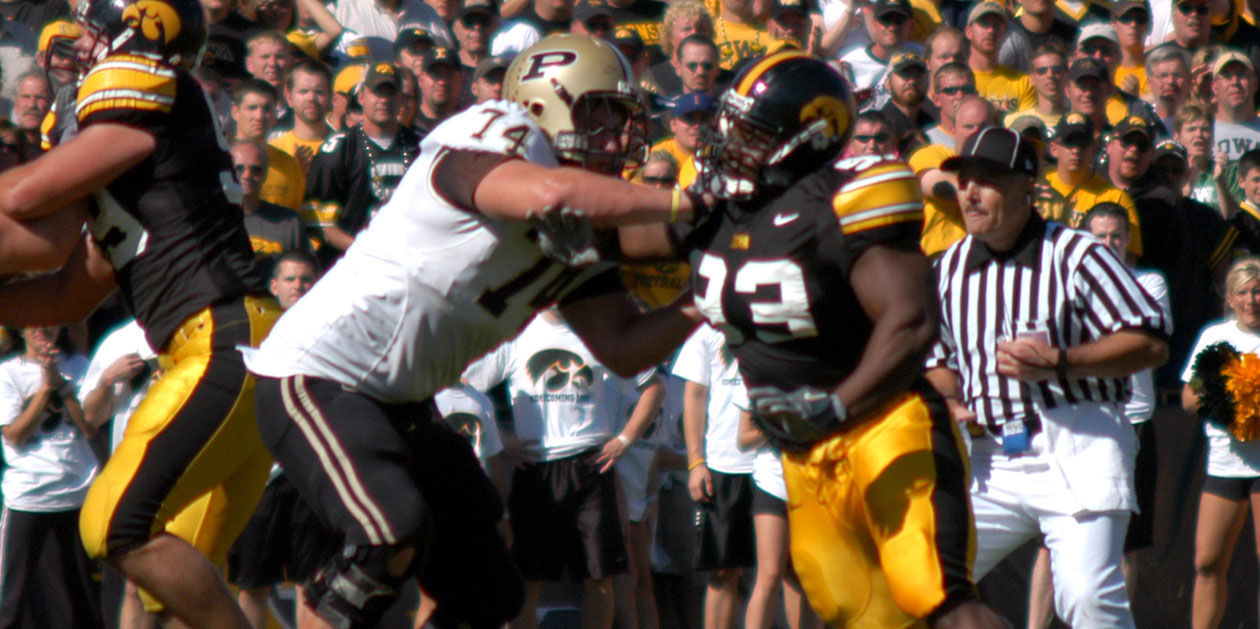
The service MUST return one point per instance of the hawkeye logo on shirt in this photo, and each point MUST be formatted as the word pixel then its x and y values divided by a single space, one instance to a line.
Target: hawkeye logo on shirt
pixel 557 370
pixel 467 426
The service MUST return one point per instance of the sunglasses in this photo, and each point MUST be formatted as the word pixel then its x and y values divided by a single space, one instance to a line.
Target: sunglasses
pixel 1105 50
pixel 957 89
pixel 1186 8
pixel 867 139
pixel 1140 143
pixel 1044 70
pixel 1134 17
pixel 696 65
pixel 241 169
pixel 659 181
pixel 893 19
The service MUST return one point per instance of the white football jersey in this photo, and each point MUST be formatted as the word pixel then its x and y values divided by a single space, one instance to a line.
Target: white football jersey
pixel 428 286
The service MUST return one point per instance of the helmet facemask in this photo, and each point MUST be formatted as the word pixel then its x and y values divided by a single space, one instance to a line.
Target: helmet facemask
pixel 733 151
pixel 597 117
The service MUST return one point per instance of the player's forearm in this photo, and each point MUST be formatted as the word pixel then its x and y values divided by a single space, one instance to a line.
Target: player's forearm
pixel 893 358
pixel 1116 355
pixel 39 244
pixel 67 296
pixel 516 189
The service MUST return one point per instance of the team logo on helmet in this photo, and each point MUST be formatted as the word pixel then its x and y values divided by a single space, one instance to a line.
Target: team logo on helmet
pixel 155 20
pixel 548 59
pixel 830 109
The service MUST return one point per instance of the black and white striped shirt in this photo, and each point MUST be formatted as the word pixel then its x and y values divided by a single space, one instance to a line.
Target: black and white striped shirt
pixel 1055 281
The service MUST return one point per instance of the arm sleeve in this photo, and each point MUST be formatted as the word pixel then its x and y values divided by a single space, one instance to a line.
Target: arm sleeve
pixel 458 173
pixel 130 90
pixel 692 363
pixel 1109 298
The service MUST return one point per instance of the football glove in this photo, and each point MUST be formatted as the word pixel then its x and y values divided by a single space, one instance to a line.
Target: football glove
pixel 805 415
pixel 565 235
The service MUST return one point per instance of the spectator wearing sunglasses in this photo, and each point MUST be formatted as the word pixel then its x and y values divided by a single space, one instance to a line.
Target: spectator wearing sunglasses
pixel 473 25
pixel 1038 24
pixel 888 26
pixel 1131 20
pixel 950 85
pixel 1049 79
pixel 1008 89
pixel 697 66
pixel 872 135
pixel 1100 43
pixel 272 228
pixel 1191 24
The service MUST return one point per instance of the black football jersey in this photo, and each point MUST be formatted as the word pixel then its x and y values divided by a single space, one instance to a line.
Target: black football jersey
pixel 172 224
pixel 774 276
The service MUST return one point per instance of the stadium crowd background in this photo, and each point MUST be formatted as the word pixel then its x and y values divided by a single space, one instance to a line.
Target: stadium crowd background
pixel 1149 106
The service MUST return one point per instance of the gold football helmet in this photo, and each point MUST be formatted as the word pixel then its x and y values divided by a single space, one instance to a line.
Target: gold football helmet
pixel 579 89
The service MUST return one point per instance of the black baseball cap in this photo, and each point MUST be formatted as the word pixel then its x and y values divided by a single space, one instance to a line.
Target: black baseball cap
pixel 888 7
pixel 1073 124
pixel 1131 125
pixel 412 36
pixel 626 37
pixel 476 6
pixel 906 59
pixel 439 55
pixel 1124 6
pixel 1086 67
pixel 997 150
pixel 380 74
pixel 1171 148
pixel 587 9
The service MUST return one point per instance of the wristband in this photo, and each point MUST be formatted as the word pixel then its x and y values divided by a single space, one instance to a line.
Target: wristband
pixel 1061 367
pixel 625 441
pixel 694 464
pixel 675 204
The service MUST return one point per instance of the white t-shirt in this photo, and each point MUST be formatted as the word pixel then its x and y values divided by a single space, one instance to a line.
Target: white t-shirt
pixel 704 359
pixel 1236 139
pixel 1227 457
pixel 53 469
pixel 562 397
pixel 428 286
pixel 1141 404
pixel 365 19
pixel 124 340
pixel 471 414
pixel 513 38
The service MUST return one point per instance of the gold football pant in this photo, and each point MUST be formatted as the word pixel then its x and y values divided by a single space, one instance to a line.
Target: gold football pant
pixel 190 463
pixel 880 519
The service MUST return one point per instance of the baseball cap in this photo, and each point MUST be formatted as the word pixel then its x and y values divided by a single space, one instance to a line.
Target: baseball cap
pixel 905 59
pixel 986 8
pixel 998 150
pixel 787 6
pixel 382 74
pixel 303 42
pixel 624 36
pixel 1097 30
pixel 1132 124
pixel 1073 123
pixel 1028 123
pixel 439 55
pixel 1124 6
pixel 412 36
pixel 693 102
pixel 473 6
pixel 1171 148
pixel 488 65
pixel 1232 56
pixel 888 7
pixel 587 9
pixel 348 79
pixel 359 50
pixel 56 33
pixel 1086 67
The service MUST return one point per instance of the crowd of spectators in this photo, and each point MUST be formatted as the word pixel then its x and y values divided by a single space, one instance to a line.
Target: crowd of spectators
pixel 1149 109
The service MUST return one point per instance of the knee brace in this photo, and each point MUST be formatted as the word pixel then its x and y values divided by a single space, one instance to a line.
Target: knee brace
pixel 354 589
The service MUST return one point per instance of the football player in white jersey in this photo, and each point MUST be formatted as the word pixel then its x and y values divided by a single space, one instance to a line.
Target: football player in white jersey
pixel 448 269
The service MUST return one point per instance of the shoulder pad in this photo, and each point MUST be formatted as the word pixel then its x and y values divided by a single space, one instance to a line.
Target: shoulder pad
pixel 127 82
pixel 881 192
pixel 862 162
pixel 332 142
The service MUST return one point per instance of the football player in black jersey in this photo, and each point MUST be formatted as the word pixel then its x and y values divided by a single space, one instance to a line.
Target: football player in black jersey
pixel 812 269
pixel 166 230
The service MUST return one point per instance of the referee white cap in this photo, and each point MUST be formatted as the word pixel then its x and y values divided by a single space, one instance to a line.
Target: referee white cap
pixel 998 150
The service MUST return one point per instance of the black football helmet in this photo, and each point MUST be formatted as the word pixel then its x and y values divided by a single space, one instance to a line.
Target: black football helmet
pixel 785 116
pixel 173 30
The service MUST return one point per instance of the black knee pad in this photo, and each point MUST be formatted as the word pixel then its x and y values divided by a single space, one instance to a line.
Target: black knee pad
pixel 354 589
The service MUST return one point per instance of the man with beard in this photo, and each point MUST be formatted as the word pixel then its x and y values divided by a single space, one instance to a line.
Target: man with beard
pixel 887 24
pixel 1009 90
pixel 357 169
pixel 907 90
pixel 307 91
pixel 34 99
pixel 440 82
pixel 1049 67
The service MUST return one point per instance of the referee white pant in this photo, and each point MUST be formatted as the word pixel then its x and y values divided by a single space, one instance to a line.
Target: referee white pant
pixel 1018 498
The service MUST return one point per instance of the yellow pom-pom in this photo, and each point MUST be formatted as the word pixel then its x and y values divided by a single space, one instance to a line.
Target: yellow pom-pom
pixel 1243 384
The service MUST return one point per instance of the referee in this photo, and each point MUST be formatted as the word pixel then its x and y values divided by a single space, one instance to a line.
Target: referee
pixel 1041 325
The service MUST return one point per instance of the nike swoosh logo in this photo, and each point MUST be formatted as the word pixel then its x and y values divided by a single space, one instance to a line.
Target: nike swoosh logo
pixel 783 219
